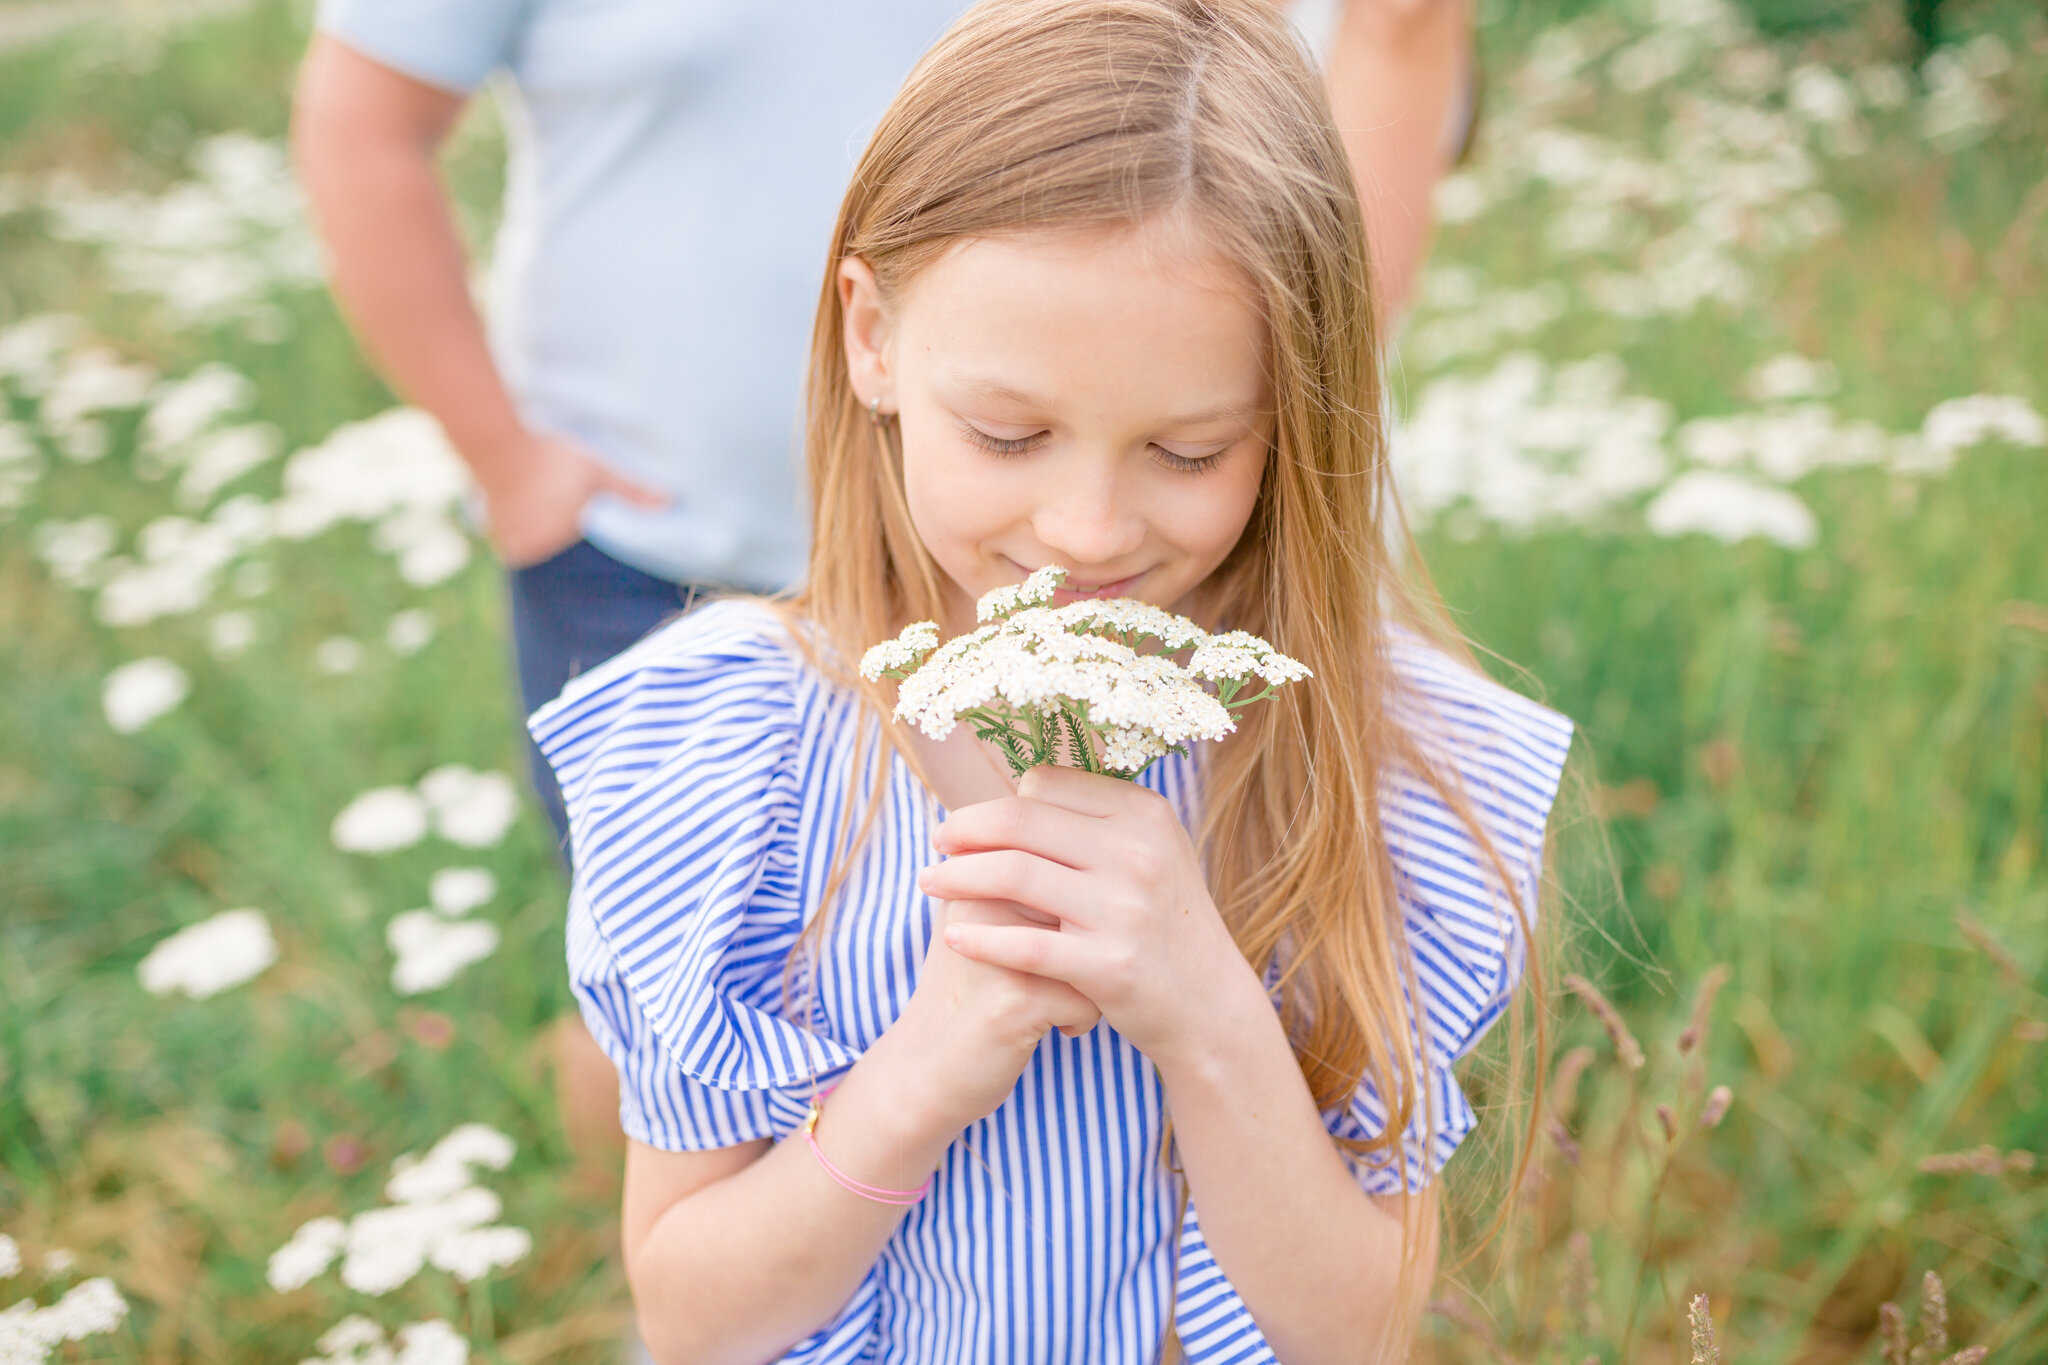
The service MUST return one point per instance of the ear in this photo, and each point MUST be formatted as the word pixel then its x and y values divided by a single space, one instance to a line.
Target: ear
pixel 867 335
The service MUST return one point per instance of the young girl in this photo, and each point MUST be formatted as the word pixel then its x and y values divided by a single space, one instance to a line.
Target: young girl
pixel 923 1067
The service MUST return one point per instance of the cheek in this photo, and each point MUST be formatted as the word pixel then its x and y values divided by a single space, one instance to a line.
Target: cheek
pixel 1212 519
pixel 951 502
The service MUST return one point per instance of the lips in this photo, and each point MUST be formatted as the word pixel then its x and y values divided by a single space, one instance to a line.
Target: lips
pixel 1075 592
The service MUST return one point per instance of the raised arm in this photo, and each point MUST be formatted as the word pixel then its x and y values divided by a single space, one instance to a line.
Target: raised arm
pixel 364 137
pixel 1397 72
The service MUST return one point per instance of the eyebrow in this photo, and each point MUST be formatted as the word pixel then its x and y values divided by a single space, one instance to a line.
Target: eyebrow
pixel 991 389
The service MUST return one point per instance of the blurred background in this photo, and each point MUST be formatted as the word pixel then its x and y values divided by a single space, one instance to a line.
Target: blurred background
pixel 1721 419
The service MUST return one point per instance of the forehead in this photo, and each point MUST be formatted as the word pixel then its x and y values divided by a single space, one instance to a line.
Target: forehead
pixel 1146 318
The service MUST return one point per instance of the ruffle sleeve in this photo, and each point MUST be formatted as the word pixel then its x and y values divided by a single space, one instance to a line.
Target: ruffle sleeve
pixel 680 767
pixel 1507 754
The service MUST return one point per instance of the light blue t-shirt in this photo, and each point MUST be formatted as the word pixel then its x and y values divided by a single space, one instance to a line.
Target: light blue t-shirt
pixel 675 169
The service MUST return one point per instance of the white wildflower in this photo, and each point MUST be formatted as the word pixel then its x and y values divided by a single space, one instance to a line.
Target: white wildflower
pixel 10 1257
pixel 1238 654
pixel 58 1261
pixel 1731 508
pixel 308 1254
pixel 458 890
pixel 139 691
pixel 381 820
pixel 28 1334
pixel 338 654
pixel 231 633
pixel 438 1217
pixel 432 951
pixel 446 1166
pixel 220 457
pixel 1035 590
pixel 388 1246
pixel 75 550
pixel 474 809
pixel 181 409
pixel 355 1340
pixel 1791 376
pixel 1044 681
pixel 432 1342
pixel 472 1255
pixel 409 631
pixel 210 956
pixel 902 653
pixel 1962 422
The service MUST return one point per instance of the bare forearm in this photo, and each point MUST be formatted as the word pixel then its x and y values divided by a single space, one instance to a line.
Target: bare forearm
pixel 398 266
pixel 747 1266
pixel 1315 1259
pixel 1395 72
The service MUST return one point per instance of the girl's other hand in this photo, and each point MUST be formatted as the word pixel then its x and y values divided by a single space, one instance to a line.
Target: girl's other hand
pixel 970 1028
pixel 1138 932
pixel 535 492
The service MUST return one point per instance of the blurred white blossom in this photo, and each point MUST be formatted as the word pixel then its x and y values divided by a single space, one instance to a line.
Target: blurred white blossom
pixel 1790 376
pixel 181 409
pixel 396 471
pixel 458 890
pixel 432 950
pixel 1730 508
pixel 338 654
pixel 210 956
pixel 76 551
pixel 437 1216
pixel 10 1257
pixel 214 248
pixel 308 1254
pixel 356 1340
pixel 137 692
pixel 29 1334
pixel 380 821
pixel 409 631
pixel 231 633
pixel 474 809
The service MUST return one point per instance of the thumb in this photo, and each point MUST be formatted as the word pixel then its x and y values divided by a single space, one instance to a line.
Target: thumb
pixel 612 481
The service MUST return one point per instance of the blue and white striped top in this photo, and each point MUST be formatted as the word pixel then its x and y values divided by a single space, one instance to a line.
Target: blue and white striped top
pixel 705 772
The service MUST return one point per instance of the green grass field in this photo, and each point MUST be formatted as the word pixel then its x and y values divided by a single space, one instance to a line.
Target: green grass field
pixel 1817 740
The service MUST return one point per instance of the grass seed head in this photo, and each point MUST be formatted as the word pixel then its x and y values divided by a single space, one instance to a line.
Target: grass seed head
pixel 1668 1121
pixel 1626 1048
pixel 1933 1322
pixel 1564 1088
pixel 1704 1352
pixel 1702 1009
pixel 1716 1107
pixel 1891 1332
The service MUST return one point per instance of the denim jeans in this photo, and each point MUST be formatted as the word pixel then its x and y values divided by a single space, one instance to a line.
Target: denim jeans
pixel 569 614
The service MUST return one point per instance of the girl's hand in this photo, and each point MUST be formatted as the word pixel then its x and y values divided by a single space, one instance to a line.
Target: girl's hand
pixel 1138 933
pixel 970 1028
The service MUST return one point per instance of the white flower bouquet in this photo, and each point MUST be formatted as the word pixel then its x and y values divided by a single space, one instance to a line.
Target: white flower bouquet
pixel 1045 683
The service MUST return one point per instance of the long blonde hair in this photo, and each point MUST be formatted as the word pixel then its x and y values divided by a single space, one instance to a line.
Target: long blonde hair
pixel 1032 114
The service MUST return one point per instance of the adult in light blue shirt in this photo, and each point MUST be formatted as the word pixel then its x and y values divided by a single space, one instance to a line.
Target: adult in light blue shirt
pixel 674 172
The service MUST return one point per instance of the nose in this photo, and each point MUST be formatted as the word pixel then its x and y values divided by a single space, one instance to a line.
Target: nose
pixel 1084 518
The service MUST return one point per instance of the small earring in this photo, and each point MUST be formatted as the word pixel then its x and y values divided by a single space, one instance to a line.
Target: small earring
pixel 875 409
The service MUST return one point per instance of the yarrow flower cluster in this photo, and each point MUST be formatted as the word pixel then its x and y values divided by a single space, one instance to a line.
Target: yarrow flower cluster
pixel 437 1217
pixel 1045 682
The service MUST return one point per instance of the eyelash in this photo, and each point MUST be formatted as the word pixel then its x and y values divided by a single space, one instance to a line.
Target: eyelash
pixel 995 445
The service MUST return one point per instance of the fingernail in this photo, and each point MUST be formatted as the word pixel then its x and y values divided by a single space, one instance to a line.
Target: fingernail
pixel 953 936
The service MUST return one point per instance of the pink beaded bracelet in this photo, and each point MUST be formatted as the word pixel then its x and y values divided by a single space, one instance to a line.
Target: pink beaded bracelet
pixel 873 1192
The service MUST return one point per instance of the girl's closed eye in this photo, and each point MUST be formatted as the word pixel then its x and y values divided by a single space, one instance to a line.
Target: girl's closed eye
pixel 1172 459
